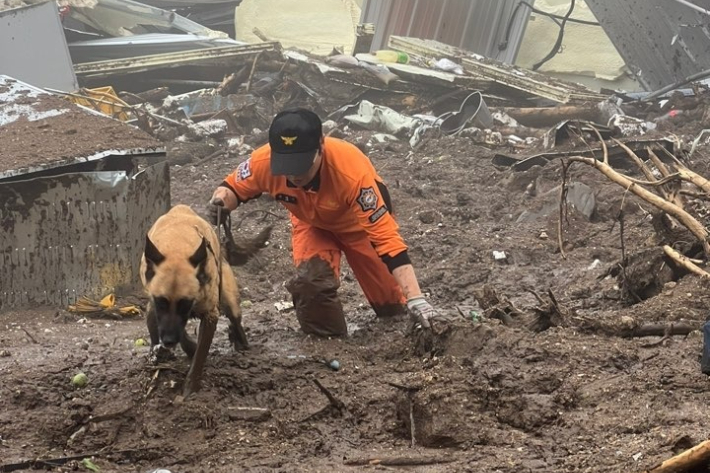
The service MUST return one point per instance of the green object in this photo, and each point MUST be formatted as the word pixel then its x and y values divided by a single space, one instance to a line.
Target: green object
pixel 246 304
pixel 80 380
pixel 475 317
pixel 141 342
pixel 89 465
pixel 387 55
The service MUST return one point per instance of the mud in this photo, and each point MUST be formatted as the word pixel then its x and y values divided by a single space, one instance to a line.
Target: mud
pixel 74 133
pixel 487 397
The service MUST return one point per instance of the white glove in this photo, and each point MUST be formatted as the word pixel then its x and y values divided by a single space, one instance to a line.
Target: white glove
pixel 421 310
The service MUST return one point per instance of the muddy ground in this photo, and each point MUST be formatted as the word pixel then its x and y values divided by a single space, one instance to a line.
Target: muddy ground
pixel 488 397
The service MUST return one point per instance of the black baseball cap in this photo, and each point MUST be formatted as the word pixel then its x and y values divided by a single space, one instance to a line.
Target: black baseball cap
pixel 294 137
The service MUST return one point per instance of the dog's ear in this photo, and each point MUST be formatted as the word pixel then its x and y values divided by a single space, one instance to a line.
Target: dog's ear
pixel 198 260
pixel 153 258
pixel 200 255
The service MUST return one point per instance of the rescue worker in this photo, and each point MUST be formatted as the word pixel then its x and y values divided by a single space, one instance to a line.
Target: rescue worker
pixel 337 204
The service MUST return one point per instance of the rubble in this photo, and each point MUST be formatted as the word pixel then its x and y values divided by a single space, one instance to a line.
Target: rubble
pixel 575 264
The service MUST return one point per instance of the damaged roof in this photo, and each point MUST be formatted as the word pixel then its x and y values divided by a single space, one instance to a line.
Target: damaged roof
pixel 39 130
pixel 662 41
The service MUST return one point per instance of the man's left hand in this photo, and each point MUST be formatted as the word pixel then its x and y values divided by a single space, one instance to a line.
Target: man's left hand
pixel 421 310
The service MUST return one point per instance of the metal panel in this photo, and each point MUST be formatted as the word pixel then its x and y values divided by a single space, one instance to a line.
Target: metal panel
pixel 662 41
pixel 36 32
pixel 475 25
pixel 206 56
pixel 74 234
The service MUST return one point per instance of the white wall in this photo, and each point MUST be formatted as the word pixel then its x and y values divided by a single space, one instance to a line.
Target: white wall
pixel 587 55
pixel 312 25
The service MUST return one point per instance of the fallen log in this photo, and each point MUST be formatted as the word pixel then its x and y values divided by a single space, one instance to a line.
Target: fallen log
pixel 685 262
pixel 657 330
pixel 683 462
pixel 542 117
pixel 692 224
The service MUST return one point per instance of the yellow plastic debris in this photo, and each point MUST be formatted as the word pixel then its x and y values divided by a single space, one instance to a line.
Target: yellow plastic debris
pixel 104 100
pixel 108 301
pixel 106 306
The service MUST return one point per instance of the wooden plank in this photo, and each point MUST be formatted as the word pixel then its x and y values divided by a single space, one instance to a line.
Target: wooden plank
pixel 530 82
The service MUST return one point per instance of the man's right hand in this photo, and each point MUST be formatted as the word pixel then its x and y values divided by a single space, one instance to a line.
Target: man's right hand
pixel 216 211
pixel 421 311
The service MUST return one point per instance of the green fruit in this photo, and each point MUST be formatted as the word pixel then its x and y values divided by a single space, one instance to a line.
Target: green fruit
pixel 246 304
pixel 140 342
pixel 80 380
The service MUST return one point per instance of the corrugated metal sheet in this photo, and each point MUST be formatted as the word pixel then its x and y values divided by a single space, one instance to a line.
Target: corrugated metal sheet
pixel 77 233
pixel 475 25
pixel 662 41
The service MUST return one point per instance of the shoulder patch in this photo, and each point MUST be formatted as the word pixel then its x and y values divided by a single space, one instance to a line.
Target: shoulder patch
pixel 377 214
pixel 244 170
pixel 367 199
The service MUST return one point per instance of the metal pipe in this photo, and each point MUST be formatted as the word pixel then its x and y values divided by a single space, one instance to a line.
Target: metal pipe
pixel 694 6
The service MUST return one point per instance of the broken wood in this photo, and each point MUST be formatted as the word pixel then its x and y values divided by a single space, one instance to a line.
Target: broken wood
pixel 251 72
pixel 685 262
pixel 694 178
pixel 638 161
pixel 685 461
pixel 400 461
pixel 657 330
pixel 692 224
pixel 563 209
pixel 335 402
pixel 29 335
pixel 58 461
pixel 548 314
pixel 495 306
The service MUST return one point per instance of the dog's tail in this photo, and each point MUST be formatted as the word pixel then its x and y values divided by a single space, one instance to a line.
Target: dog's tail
pixel 237 253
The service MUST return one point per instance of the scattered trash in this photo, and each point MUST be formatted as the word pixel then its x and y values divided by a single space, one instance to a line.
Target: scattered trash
pixel 499 256
pixel 332 364
pixel 382 119
pixel 473 110
pixel 283 306
pixel 89 465
pixel 595 264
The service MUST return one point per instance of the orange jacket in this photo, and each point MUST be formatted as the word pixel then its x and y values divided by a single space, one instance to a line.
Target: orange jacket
pixel 346 195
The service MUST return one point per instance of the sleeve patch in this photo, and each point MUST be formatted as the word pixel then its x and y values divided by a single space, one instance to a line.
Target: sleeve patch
pixel 378 214
pixel 367 199
pixel 244 170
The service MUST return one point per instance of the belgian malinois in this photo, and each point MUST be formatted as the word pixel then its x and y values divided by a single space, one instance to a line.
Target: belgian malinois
pixel 183 277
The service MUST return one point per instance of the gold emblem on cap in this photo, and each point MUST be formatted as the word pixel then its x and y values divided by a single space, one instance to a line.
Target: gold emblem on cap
pixel 289 140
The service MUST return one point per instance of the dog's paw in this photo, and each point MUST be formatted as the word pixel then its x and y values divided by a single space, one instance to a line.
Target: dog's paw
pixel 238 338
pixel 160 354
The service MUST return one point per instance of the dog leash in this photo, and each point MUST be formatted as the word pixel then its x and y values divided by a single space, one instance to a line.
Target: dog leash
pixel 219 257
